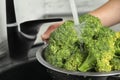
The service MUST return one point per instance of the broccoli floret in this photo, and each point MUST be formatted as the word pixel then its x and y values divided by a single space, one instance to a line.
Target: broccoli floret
pixel 100 45
pixel 117 35
pixel 61 44
pixel 100 51
pixel 106 49
pixel 90 27
pixel 117 44
pixel 115 62
pixel 75 60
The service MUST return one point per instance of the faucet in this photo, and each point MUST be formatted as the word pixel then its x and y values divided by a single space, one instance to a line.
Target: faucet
pixel 20 41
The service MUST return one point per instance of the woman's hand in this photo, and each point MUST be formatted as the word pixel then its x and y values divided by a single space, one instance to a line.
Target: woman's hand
pixel 45 36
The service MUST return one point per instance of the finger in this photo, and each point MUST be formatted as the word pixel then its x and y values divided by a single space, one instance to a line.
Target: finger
pixel 45 36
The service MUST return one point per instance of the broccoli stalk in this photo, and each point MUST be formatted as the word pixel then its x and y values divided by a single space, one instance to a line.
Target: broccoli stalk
pixel 88 64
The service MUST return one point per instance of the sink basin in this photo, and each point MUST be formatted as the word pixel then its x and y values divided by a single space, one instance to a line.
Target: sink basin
pixel 32 70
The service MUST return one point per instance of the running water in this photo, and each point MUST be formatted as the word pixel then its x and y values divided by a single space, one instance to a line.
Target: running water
pixel 77 24
pixel 75 17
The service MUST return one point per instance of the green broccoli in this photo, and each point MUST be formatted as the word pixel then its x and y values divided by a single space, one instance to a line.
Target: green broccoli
pixel 117 44
pixel 93 49
pixel 115 62
pixel 100 45
pixel 61 44
pixel 106 50
pixel 91 27
pixel 75 60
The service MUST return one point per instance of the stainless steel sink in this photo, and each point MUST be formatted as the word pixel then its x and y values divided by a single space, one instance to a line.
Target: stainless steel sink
pixel 32 70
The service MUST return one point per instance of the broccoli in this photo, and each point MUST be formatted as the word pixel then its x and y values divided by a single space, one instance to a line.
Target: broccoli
pixel 94 49
pixel 91 27
pixel 117 44
pixel 61 46
pixel 75 60
pixel 115 62
pixel 100 45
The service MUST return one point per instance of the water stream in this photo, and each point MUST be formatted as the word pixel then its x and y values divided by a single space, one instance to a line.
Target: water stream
pixel 75 17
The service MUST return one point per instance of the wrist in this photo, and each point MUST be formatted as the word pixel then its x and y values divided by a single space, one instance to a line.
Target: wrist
pixel 109 13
